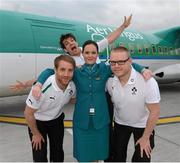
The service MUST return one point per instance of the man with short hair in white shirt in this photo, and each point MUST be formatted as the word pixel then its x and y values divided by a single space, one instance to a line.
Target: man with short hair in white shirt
pixel 136 107
pixel 45 117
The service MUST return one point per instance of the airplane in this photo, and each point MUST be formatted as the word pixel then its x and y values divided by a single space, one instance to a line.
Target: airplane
pixel 29 44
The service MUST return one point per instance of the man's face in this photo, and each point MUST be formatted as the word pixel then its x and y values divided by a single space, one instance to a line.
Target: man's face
pixel 64 73
pixel 71 46
pixel 90 54
pixel 120 63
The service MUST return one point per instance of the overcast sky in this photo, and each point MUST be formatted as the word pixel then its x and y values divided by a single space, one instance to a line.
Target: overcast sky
pixel 147 14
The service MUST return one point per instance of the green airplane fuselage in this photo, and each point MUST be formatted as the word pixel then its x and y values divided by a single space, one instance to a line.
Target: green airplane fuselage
pixel 36 34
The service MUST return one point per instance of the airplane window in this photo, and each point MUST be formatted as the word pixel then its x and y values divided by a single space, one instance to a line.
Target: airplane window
pixel 140 50
pixel 147 50
pixel 153 49
pixel 121 44
pixel 165 50
pixel 171 50
pixel 131 48
pixel 159 49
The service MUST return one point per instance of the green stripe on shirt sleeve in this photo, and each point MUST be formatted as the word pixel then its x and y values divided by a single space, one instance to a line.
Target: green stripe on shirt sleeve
pixel 45 89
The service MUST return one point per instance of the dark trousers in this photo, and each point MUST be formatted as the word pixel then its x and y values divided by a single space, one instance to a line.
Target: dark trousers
pixel 111 128
pixel 122 135
pixel 54 130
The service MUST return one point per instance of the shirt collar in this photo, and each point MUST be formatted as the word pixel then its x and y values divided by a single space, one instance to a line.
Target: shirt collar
pixel 132 77
pixel 89 67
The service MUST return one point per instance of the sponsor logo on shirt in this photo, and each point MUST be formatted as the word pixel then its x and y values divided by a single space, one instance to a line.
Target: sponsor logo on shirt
pixel 30 101
pixel 52 98
pixel 70 92
pixel 134 90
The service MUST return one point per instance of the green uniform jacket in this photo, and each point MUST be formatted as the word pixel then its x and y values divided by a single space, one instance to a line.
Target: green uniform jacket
pixel 90 85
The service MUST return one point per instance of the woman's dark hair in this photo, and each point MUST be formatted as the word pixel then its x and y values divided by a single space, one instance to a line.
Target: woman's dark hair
pixel 88 42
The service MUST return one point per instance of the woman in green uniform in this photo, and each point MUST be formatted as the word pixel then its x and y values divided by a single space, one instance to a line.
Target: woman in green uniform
pixel 91 117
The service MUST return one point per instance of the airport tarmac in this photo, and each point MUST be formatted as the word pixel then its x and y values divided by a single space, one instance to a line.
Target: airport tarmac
pixel 15 144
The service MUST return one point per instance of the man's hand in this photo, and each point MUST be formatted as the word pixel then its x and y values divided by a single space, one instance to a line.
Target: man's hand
pixel 147 74
pixel 36 91
pixel 37 140
pixel 144 146
pixel 73 100
pixel 127 21
pixel 116 33
pixel 18 86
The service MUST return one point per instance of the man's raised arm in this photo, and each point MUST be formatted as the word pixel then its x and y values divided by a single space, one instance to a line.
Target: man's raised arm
pixel 115 34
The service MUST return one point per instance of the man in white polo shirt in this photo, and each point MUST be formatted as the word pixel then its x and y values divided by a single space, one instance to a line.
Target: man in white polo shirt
pixel 136 107
pixel 45 117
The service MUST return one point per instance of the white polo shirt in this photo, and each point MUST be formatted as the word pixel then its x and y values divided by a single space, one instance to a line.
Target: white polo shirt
pixel 129 100
pixel 101 45
pixel 50 105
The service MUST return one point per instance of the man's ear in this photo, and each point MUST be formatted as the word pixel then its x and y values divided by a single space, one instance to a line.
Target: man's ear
pixel 130 60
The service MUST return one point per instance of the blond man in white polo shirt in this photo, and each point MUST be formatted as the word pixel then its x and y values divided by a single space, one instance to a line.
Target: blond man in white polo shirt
pixel 45 117
pixel 136 107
